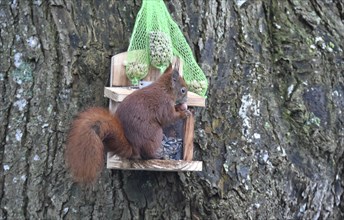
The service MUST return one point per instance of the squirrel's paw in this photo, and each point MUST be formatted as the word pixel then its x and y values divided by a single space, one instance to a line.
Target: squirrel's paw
pixel 181 107
pixel 186 113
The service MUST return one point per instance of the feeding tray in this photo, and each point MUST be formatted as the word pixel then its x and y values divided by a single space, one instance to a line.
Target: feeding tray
pixel 118 90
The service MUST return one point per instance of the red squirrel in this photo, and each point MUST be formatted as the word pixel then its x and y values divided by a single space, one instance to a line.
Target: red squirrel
pixel 135 131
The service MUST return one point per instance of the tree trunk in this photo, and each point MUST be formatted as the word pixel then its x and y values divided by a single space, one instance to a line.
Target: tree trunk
pixel 271 137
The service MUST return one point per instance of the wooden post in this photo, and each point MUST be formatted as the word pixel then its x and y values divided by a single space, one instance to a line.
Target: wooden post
pixel 188 138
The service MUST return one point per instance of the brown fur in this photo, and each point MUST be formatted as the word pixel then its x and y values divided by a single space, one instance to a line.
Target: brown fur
pixel 135 131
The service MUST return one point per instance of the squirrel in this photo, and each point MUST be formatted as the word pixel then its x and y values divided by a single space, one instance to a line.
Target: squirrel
pixel 134 131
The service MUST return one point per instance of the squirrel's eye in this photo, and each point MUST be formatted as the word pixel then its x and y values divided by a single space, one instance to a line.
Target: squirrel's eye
pixel 183 90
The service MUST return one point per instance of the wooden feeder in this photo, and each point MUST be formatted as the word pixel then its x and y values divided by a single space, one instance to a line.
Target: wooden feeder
pixel 120 88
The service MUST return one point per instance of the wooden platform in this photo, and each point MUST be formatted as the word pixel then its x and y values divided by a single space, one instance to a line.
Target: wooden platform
pixel 115 162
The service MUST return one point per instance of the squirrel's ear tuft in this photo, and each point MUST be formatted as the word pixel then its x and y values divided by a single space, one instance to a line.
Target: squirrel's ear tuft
pixel 169 69
pixel 175 72
pixel 176 63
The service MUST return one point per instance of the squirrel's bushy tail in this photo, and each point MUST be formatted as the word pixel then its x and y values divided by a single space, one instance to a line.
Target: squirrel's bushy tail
pixel 92 131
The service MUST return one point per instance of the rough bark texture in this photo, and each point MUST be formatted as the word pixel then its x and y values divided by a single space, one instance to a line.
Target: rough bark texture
pixel 271 136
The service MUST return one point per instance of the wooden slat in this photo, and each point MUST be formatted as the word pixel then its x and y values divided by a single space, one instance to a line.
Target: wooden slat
pixel 113 106
pixel 117 94
pixel 188 138
pixel 115 162
pixel 195 100
pixel 118 77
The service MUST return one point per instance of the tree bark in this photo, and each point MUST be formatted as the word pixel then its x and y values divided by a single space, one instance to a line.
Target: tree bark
pixel 271 137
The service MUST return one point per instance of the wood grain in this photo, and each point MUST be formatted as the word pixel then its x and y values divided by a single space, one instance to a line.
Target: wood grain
pixel 188 138
pixel 115 162
pixel 118 77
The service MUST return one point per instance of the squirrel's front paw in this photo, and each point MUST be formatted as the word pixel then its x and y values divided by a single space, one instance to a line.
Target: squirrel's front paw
pixel 181 107
pixel 183 110
pixel 186 113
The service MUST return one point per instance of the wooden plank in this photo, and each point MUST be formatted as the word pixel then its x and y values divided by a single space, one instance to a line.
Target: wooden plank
pixel 115 162
pixel 152 75
pixel 188 138
pixel 113 106
pixel 195 100
pixel 117 94
pixel 118 77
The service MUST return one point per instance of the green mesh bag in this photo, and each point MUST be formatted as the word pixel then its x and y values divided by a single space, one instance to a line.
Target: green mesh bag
pixel 156 38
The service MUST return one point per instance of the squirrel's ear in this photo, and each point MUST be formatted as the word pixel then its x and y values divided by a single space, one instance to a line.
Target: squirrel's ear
pixel 175 76
pixel 169 69
pixel 176 62
pixel 175 72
